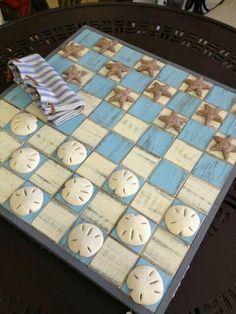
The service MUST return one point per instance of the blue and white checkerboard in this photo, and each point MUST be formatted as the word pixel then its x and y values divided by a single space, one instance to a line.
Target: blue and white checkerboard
pixel 172 167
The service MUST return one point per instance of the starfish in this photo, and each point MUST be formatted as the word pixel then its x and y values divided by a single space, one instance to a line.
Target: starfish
pixel 197 86
pixel 224 145
pixel 121 96
pixel 173 121
pixel 159 90
pixel 74 74
pixel 116 69
pixel 210 114
pixel 72 50
pixel 150 66
pixel 106 44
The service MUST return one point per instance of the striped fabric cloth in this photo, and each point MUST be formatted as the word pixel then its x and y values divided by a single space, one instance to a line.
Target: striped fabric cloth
pixel 49 91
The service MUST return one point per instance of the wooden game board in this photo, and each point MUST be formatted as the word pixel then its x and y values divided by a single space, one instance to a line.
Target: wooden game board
pixel 172 167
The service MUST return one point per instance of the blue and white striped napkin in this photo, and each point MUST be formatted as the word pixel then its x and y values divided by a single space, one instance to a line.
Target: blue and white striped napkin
pixel 49 91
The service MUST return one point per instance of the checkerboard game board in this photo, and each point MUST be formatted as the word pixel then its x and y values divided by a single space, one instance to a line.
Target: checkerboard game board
pixel 172 167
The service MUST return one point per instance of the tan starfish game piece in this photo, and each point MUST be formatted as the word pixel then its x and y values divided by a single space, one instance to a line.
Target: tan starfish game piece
pixel 159 90
pixel 173 121
pixel 121 96
pixel 106 44
pixel 74 74
pixel 210 114
pixel 197 86
pixel 116 69
pixel 224 145
pixel 72 50
pixel 149 66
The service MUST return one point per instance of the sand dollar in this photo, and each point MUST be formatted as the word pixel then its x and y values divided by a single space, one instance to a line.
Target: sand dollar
pixel 26 200
pixel 24 160
pixel 85 239
pixel 146 285
pixel 72 153
pixel 123 183
pixel 134 229
pixel 24 124
pixel 77 191
pixel 182 220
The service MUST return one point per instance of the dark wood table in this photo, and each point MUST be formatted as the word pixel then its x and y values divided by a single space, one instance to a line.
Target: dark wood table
pixel 34 281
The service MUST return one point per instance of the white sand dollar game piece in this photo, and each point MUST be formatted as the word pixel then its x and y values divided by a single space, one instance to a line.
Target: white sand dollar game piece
pixel 146 285
pixel 72 153
pixel 85 239
pixel 182 220
pixel 23 124
pixel 123 183
pixel 134 229
pixel 26 200
pixel 77 191
pixel 24 160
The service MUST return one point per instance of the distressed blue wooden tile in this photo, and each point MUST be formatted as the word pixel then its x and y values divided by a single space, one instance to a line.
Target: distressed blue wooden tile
pixel 172 75
pixel 93 60
pixel 184 103
pixel 135 248
pixel 87 38
pixel 229 125
pixel 156 141
pixel 145 109
pixel 69 126
pixel 168 177
pixel 197 134
pixel 32 215
pixel 99 86
pixel 128 56
pixel 213 170
pixel 221 97
pixel 114 147
pixel 18 97
pixel 165 278
pixel 136 81
pixel 106 115
pixel 59 63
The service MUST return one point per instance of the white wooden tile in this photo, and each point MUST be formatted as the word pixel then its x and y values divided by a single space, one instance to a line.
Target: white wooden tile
pixel 90 102
pixel 90 133
pixel 7 112
pixel 50 176
pixel 84 79
pixel 183 155
pixel 47 139
pixel 36 111
pixel 198 194
pixel 161 124
pixel 127 104
pixel 130 127
pixel 184 86
pixel 140 162
pixel 159 63
pixel 113 261
pixel 218 154
pixel 201 119
pixel 104 211
pixel 152 202
pixel 166 251
pixel 96 168
pixel 9 182
pixel 7 146
pixel 54 220
pixel 163 100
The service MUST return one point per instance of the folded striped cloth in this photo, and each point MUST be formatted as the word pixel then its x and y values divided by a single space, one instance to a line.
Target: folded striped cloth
pixel 49 91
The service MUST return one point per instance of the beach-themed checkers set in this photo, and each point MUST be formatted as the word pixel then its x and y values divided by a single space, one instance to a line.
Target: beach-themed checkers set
pixel 124 191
